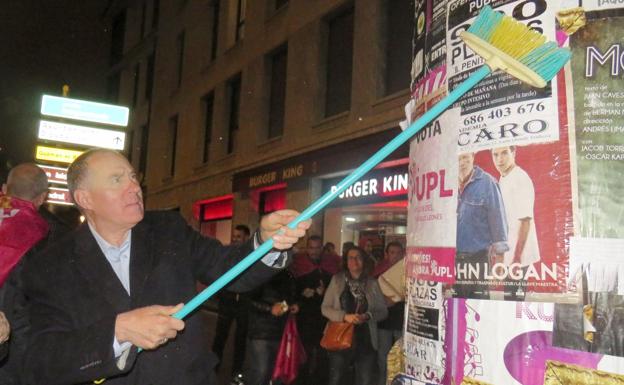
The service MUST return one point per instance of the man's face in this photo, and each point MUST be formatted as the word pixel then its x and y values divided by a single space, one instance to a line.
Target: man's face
pixel 314 249
pixel 239 237
pixel 503 159
pixel 394 253
pixel 111 191
pixel 466 164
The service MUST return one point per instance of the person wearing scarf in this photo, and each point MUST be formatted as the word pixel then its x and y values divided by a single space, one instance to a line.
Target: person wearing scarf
pixel 353 296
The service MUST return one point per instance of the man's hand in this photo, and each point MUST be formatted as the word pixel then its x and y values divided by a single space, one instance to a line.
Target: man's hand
pixel 278 309
pixel 148 327
pixel 274 226
pixel 308 292
pixel 5 329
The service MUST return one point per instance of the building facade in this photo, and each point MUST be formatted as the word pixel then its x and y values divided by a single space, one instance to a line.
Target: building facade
pixel 242 107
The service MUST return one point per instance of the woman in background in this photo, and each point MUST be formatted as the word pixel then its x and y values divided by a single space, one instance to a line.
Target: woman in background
pixel 352 296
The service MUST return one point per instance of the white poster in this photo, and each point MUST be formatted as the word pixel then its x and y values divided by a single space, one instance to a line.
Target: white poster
pixel 433 200
pixel 423 337
pixel 500 109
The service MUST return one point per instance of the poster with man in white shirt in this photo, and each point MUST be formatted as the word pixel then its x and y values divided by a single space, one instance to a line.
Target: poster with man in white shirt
pixel 519 198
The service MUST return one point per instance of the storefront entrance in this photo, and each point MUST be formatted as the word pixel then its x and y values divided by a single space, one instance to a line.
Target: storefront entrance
pixel 371 213
pixel 371 226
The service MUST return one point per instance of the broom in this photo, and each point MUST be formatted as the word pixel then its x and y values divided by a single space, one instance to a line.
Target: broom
pixel 503 43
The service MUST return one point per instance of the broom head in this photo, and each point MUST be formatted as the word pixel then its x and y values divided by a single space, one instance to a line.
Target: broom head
pixel 505 43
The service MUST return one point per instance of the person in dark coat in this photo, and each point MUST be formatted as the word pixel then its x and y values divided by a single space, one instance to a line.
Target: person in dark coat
pixel 232 310
pixel 111 288
pixel 313 270
pixel 268 308
pixel 14 302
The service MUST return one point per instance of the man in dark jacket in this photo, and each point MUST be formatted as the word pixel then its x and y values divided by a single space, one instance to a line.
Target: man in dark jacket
pixel 268 307
pixel 313 271
pixel 232 310
pixel 111 288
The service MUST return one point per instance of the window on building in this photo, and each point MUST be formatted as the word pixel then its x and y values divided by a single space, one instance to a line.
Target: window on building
pixel 180 56
pixel 398 44
pixel 143 151
pixel 216 6
pixel 235 22
pixel 208 107
pixel 155 14
pixel 129 145
pixel 143 17
pixel 135 88
pixel 240 19
pixel 277 99
pixel 118 35
pixel 149 77
pixel 339 63
pixel 215 217
pixel 271 199
pixel 280 3
pixel 173 138
pixel 112 90
pixel 233 93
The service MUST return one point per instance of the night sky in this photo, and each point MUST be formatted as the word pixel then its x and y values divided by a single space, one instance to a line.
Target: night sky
pixel 43 45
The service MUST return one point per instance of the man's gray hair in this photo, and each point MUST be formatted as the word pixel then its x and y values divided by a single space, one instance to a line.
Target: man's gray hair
pixel 77 171
pixel 26 181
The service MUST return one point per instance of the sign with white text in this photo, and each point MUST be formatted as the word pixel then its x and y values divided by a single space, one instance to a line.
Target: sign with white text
pixel 379 185
pixel 87 136
pixel 55 174
pixel 59 196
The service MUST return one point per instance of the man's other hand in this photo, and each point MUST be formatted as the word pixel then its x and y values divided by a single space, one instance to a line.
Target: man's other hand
pixel 274 226
pixel 308 292
pixel 148 327
pixel 5 329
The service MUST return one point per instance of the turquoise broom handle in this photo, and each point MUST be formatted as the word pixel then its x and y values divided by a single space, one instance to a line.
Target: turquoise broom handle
pixel 329 196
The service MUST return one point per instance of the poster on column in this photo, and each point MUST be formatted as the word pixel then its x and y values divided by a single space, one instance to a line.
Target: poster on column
pixel 423 335
pixel 597 69
pixel 429 58
pixel 514 213
pixel 432 196
pixel 500 109
pixel 597 254
pixel 430 245
pixel 507 343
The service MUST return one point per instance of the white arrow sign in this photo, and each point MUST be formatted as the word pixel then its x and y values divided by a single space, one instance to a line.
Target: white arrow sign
pixel 87 136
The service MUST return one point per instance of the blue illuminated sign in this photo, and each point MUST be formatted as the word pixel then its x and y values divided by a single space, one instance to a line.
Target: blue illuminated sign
pixel 84 110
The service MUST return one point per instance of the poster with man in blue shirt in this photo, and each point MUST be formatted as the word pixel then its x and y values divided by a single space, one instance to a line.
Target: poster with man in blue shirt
pixel 481 230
